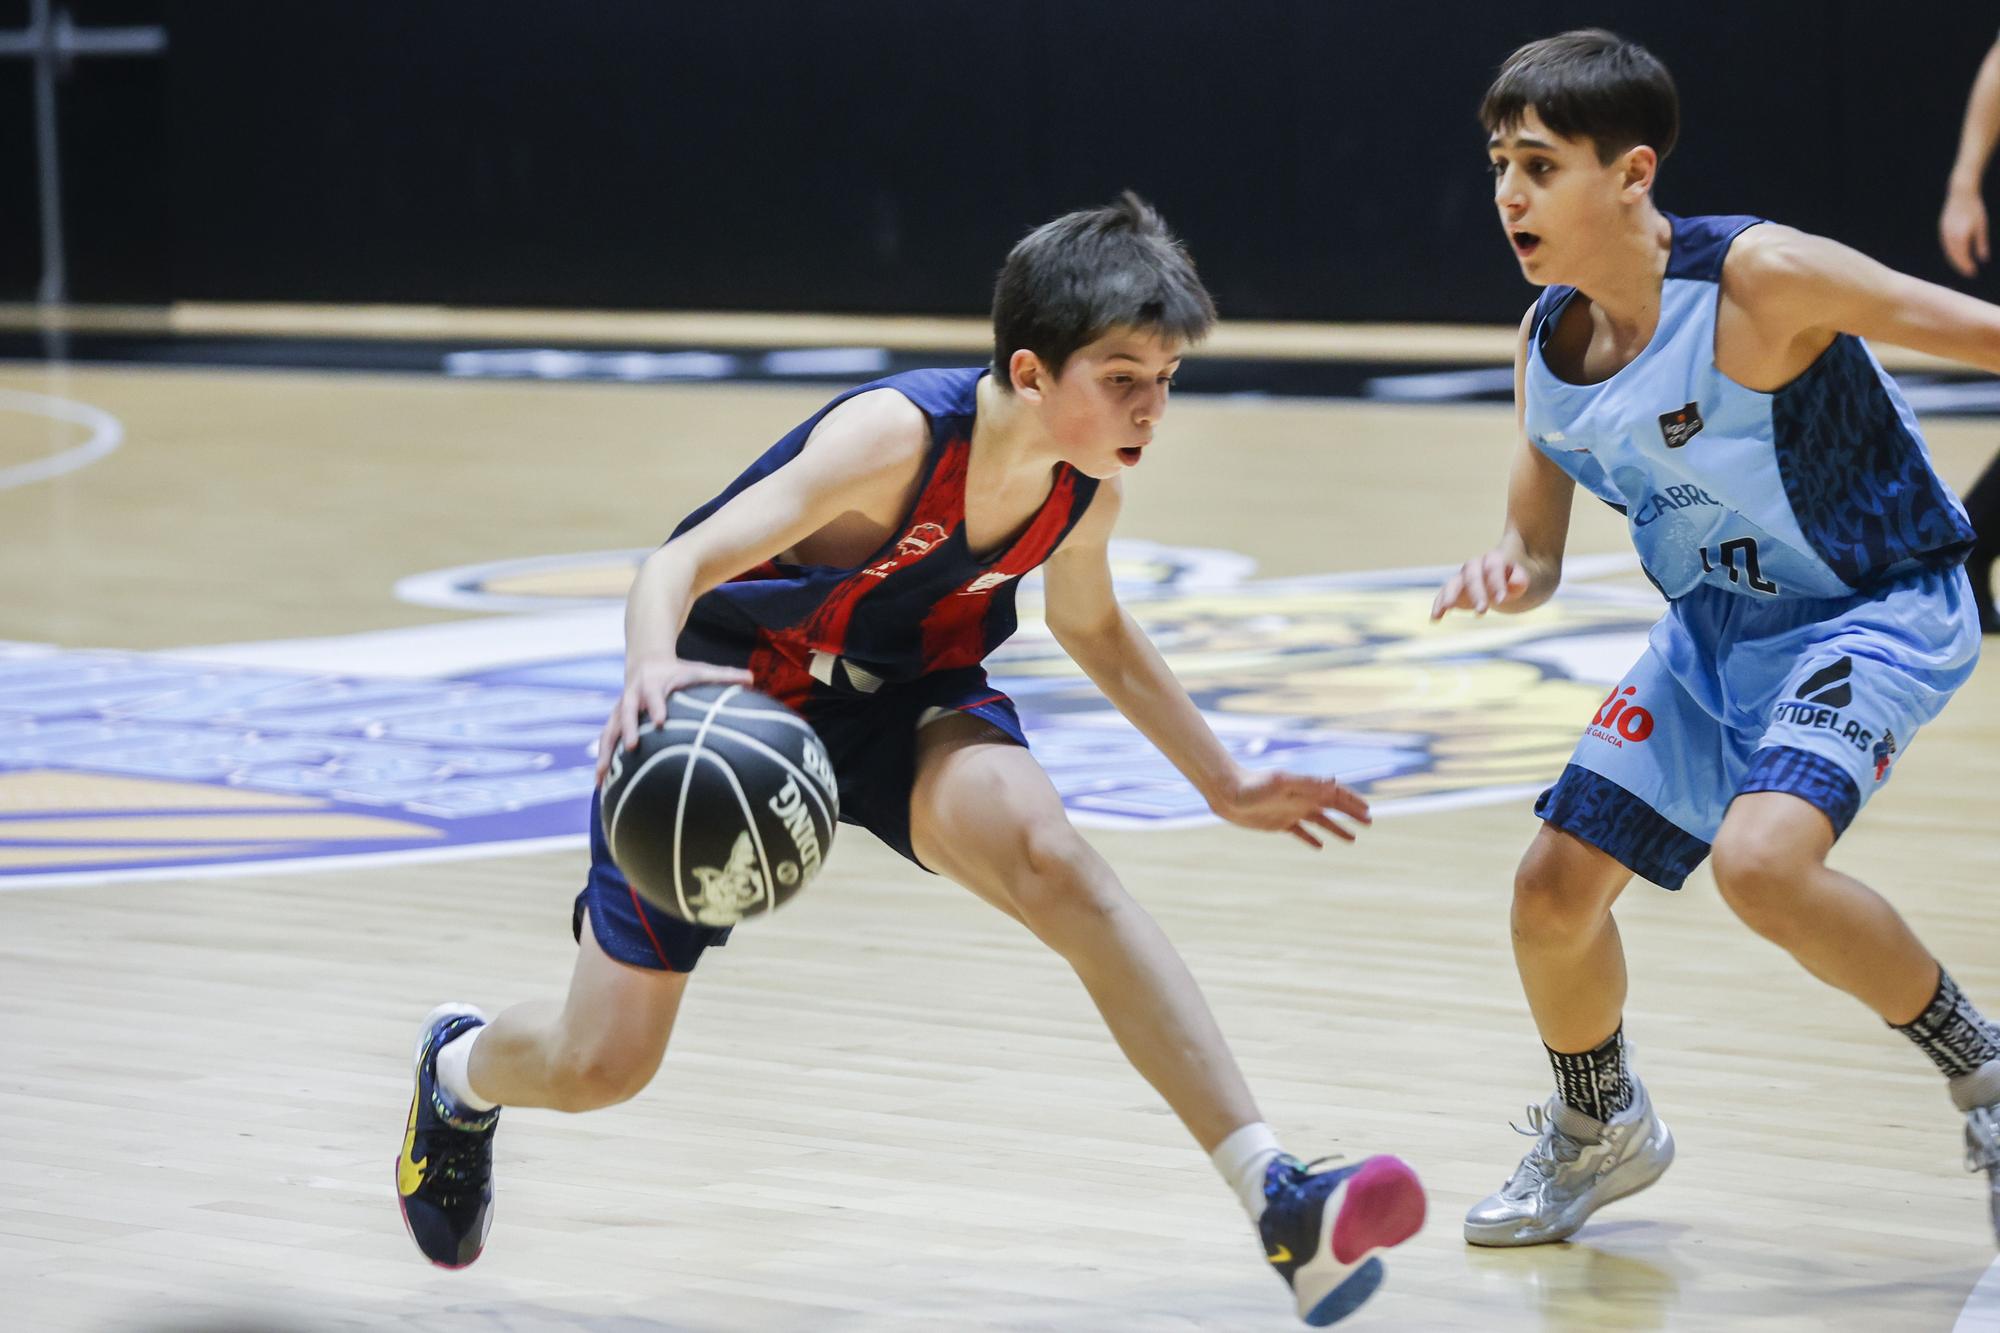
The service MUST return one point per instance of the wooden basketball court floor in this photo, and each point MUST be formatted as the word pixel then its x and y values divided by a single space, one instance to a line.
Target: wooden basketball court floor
pixel 888 1108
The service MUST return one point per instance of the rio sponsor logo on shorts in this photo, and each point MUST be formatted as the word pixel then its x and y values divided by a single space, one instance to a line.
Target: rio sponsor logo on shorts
pixel 476 737
pixel 1619 721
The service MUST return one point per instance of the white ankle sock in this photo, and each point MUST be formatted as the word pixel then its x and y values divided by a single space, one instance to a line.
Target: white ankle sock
pixel 452 1059
pixel 1241 1158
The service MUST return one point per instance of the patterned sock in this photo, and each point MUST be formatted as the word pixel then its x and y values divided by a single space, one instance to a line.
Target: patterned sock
pixel 1597 1082
pixel 1954 1034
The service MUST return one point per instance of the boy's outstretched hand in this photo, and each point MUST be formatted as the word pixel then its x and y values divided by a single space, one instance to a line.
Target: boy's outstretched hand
pixel 1290 803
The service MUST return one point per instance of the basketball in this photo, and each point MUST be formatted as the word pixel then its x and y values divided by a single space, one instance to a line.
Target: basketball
pixel 725 811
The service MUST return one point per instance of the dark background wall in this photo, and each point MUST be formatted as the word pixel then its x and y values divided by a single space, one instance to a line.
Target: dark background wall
pixel 881 155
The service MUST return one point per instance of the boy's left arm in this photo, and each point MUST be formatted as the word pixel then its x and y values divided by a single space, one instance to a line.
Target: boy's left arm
pixel 1797 287
pixel 1083 613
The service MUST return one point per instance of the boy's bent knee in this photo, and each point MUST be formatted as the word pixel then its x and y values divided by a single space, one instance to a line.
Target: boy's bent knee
pixel 1560 895
pixel 1056 876
pixel 591 1078
pixel 1759 882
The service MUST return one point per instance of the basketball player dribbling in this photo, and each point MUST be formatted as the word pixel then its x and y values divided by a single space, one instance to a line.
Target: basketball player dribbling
pixel 1706 377
pixel 860 571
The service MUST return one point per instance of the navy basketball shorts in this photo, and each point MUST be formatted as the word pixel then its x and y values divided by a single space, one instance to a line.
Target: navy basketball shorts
pixel 1815 697
pixel 872 741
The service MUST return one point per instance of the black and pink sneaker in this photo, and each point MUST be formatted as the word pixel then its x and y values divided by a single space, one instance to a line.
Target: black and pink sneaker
pixel 1322 1230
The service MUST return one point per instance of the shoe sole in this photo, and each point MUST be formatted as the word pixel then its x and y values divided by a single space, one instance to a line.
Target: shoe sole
pixel 1382 1205
pixel 431 1020
pixel 1500 1242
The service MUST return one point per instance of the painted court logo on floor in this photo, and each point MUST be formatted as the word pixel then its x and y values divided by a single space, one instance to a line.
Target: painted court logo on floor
pixel 258 756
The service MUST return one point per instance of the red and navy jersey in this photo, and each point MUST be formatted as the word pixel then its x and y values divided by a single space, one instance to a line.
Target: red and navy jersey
pixel 922 603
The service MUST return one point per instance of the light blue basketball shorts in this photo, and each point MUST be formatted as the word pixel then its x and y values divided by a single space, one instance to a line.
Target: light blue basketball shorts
pixel 1815 697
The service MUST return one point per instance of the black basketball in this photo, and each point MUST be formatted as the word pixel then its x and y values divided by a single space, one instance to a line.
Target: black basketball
pixel 726 811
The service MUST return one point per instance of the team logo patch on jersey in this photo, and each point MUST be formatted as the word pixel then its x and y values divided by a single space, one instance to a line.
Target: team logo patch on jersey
pixel 475 737
pixel 1681 426
pixel 918 542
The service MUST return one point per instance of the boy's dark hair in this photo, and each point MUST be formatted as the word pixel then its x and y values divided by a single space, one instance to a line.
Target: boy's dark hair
pixel 1071 281
pixel 1588 84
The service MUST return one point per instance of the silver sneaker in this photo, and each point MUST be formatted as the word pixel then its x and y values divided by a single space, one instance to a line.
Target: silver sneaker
pixel 1576 1167
pixel 1978 1095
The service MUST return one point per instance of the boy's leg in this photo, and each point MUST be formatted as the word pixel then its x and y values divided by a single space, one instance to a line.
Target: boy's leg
pixel 1597 1139
pixel 1852 692
pixel 1566 943
pixel 1847 696
pixel 1638 781
pixel 598 1046
pixel 984 813
pixel 1770 867
pixel 1647 770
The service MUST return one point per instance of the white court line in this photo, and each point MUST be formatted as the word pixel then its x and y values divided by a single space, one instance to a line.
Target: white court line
pixel 107 433
pixel 1982 1308
pixel 473 851
pixel 425 652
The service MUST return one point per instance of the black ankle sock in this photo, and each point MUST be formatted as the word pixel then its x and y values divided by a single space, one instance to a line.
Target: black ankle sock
pixel 1953 1033
pixel 1597 1082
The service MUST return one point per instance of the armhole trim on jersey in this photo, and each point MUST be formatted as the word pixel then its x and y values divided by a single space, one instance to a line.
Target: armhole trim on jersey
pixel 942 437
pixel 1548 309
pixel 1701 244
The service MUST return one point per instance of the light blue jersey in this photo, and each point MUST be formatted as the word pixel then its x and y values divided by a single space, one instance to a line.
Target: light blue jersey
pixel 1817 615
pixel 1821 489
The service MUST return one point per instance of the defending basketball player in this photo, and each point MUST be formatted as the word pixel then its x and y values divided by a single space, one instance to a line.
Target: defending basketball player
pixel 1706 377
pixel 860 571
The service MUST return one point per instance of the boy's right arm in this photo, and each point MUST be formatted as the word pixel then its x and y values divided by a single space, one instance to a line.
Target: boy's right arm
pixel 860 457
pixel 1522 571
